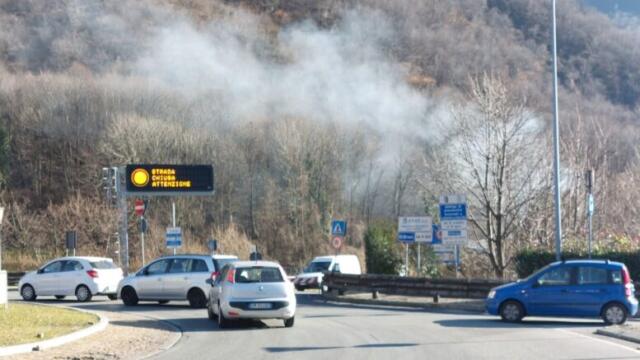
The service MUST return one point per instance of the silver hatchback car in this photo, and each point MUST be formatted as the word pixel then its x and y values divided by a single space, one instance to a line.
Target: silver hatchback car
pixel 178 277
pixel 252 290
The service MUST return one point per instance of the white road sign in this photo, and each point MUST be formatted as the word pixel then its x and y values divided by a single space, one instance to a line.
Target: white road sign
pixel 415 229
pixel 453 219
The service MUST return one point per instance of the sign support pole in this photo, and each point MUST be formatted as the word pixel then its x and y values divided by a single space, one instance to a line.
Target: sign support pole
pixel 123 234
pixel 406 259
pixel 142 237
pixel 173 216
pixel 419 268
pixel 456 253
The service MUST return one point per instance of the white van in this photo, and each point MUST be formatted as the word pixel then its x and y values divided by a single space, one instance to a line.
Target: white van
pixel 311 276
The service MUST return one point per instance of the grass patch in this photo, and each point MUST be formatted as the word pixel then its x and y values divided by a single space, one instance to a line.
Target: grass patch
pixel 23 323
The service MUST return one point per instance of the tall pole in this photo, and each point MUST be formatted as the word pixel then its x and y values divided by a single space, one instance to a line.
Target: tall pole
pixel 173 216
pixel 418 267
pixel 556 143
pixel 142 228
pixel 406 259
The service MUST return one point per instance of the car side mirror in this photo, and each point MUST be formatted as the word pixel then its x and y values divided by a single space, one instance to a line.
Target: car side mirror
pixel 535 284
pixel 211 282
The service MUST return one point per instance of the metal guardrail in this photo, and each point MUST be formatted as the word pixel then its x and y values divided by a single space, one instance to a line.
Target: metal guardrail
pixel 14 277
pixel 398 285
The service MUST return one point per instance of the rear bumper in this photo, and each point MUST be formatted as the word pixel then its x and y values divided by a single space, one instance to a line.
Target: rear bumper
pixel 632 305
pixel 242 311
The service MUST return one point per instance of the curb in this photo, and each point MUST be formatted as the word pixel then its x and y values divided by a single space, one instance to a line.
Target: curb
pixel 618 336
pixel 57 341
pixel 168 346
pixel 424 306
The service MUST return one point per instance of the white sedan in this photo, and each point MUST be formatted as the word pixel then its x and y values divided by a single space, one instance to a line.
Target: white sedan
pixel 83 277
pixel 252 290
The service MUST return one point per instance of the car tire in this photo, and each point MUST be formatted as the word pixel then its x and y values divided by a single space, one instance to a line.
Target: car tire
pixel 83 294
pixel 223 323
pixel 212 315
pixel 196 298
pixel 511 311
pixel 289 322
pixel 113 296
pixel 614 314
pixel 28 293
pixel 129 296
pixel 162 302
pixel 60 297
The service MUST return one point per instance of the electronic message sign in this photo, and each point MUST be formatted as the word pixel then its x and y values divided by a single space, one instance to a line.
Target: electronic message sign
pixel 155 179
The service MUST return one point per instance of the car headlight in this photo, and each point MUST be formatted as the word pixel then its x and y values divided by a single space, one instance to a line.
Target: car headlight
pixel 492 294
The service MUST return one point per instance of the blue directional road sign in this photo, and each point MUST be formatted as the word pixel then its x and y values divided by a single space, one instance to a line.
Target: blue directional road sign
pixel 453 211
pixel 409 237
pixel 174 237
pixel 338 228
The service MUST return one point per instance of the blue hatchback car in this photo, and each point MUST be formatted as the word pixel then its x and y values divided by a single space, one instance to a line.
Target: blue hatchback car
pixel 575 288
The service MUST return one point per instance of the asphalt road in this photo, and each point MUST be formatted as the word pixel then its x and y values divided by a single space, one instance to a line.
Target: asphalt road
pixel 329 331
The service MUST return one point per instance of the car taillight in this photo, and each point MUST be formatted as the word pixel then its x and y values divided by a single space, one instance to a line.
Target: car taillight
pixel 231 276
pixel 92 273
pixel 626 280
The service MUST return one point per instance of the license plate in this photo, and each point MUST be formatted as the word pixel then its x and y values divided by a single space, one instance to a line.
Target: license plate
pixel 256 306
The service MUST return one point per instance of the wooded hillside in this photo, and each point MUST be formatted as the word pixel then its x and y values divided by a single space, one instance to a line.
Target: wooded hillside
pixel 311 110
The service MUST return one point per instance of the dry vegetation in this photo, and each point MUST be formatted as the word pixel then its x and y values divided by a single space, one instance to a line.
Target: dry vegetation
pixel 87 84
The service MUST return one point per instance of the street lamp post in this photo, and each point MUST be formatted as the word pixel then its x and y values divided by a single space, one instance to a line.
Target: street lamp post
pixel 556 144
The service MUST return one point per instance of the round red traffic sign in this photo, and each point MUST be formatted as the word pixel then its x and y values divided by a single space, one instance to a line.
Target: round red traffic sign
pixel 139 207
pixel 336 242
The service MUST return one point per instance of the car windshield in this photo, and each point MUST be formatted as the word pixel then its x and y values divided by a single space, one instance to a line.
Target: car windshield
pixel 318 266
pixel 536 273
pixel 258 275
pixel 220 263
pixel 102 264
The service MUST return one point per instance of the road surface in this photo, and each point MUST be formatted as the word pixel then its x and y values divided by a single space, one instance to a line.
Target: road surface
pixel 328 331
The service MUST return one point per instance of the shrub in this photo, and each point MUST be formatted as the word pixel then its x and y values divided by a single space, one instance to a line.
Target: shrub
pixel 381 251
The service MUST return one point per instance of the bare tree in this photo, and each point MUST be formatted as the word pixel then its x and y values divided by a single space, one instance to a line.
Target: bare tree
pixel 494 157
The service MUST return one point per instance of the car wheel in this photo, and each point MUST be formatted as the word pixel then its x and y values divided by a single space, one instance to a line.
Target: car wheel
pixel 28 293
pixel 289 322
pixel 60 297
pixel 112 296
pixel 614 314
pixel 129 296
pixel 511 311
pixel 162 302
pixel 210 313
pixel 196 298
pixel 223 323
pixel 83 294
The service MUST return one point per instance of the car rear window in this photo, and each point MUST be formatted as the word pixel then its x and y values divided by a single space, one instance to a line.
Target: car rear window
pixel 616 276
pixel 258 275
pixel 102 264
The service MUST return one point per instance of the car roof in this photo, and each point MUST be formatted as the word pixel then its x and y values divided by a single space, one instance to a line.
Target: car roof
pixel 323 258
pixel 589 262
pixel 87 258
pixel 233 257
pixel 185 255
pixel 255 263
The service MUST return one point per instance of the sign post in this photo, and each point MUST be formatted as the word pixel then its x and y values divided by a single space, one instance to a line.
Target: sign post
pixel 453 223
pixel 71 241
pixel 4 286
pixel 414 229
pixel 140 208
pixel 590 204
pixel 338 233
pixel 174 238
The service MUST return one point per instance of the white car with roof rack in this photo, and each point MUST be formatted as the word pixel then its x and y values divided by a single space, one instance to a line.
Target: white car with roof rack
pixel 82 276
